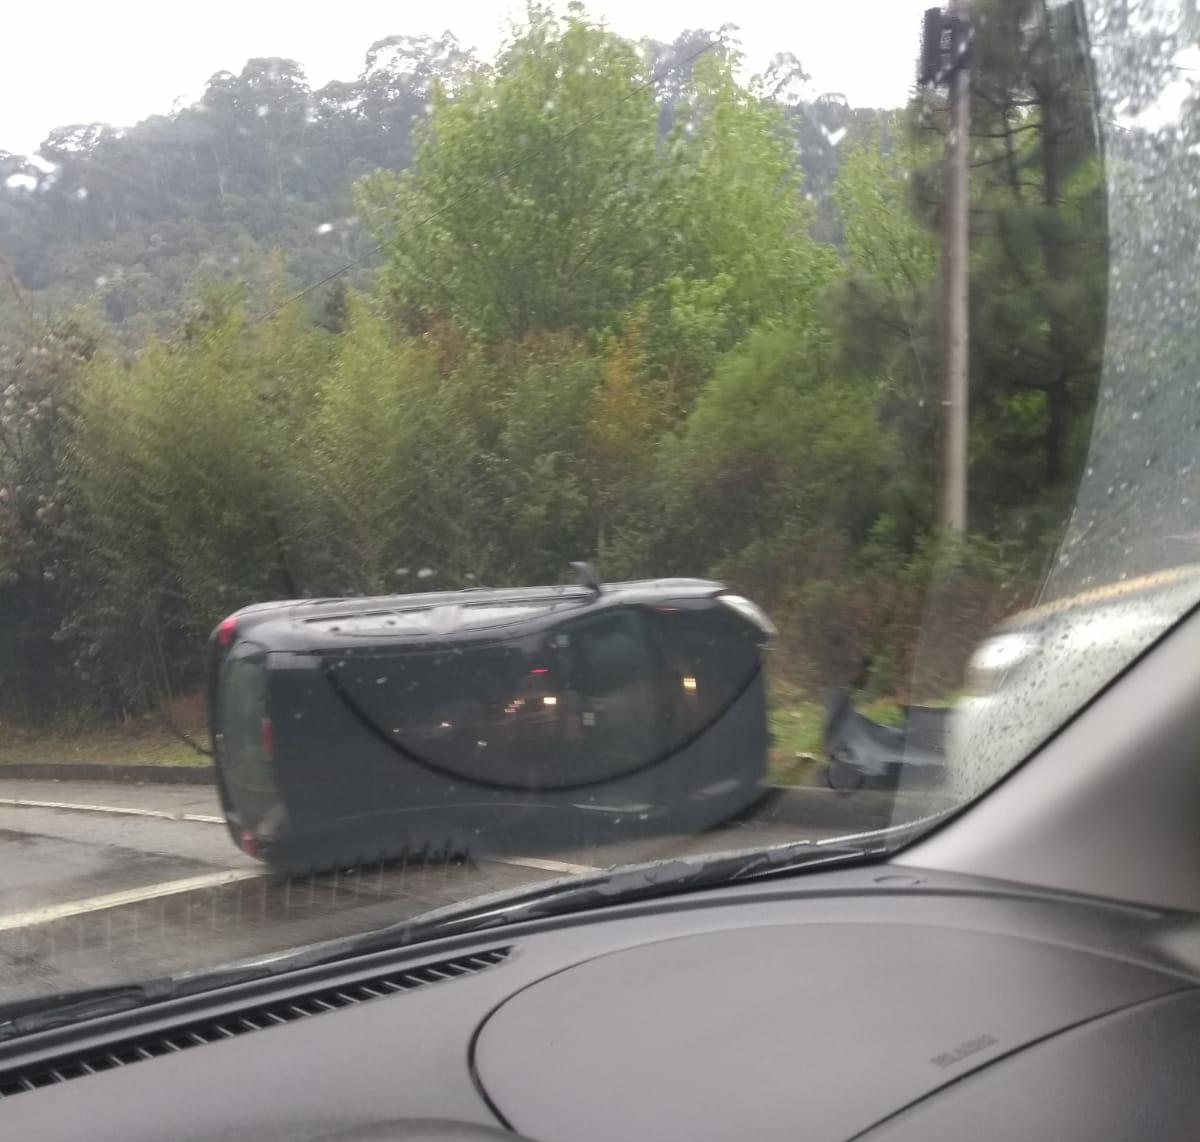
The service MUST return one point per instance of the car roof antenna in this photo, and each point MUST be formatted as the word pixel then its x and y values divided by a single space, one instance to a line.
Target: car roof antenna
pixel 587 576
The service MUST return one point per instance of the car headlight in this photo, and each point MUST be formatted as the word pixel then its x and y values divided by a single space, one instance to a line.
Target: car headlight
pixel 995 659
pixel 752 613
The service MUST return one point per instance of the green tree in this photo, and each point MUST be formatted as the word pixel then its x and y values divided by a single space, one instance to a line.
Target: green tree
pixel 891 256
pixel 1039 264
pixel 39 371
pixel 185 462
pixel 886 306
pixel 778 444
pixel 396 479
pixel 532 203
pixel 741 250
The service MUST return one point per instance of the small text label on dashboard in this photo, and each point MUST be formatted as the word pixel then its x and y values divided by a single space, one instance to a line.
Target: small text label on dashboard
pixel 964 1050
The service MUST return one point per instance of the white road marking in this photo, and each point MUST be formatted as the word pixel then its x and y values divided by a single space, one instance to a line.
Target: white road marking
pixel 129 896
pixel 546 865
pixel 120 811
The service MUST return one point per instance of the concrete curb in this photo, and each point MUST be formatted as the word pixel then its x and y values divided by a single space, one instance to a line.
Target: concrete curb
pixel 129 774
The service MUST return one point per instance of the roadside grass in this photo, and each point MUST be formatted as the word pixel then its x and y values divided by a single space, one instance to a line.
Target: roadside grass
pixel 137 741
pixel 795 757
pixel 110 746
pixel 883 711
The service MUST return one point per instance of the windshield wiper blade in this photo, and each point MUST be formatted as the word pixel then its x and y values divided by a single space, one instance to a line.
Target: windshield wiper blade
pixel 559 897
pixel 562 896
pixel 630 883
pixel 623 885
pixel 43 1013
pixel 24 1016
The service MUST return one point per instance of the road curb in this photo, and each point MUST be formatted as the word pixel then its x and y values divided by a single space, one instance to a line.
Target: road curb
pixel 122 774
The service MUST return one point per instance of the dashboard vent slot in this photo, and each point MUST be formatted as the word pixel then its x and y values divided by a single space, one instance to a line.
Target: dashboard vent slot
pixel 200 1032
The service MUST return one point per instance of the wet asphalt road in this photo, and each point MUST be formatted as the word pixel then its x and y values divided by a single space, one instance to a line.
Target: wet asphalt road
pixel 103 883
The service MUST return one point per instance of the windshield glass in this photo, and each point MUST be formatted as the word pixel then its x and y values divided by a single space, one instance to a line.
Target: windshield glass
pixel 440 454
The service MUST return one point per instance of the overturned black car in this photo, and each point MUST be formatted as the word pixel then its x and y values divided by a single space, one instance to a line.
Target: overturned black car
pixel 350 730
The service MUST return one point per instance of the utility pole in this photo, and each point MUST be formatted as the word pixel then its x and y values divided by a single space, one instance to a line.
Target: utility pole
pixel 945 62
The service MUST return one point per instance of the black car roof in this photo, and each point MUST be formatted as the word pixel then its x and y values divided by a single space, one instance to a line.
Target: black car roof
pixel 311 624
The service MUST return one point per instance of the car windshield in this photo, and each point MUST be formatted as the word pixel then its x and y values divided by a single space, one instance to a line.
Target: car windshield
pixel 446 451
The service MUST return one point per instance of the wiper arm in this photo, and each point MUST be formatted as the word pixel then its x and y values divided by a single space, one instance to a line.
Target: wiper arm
pixel 576 893
pixel 24 1016
pixel 631 883
pixel 623 885
pixel 42 1013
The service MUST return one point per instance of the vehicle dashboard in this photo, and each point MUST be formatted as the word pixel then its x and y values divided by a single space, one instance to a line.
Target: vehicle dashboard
pixel 872 1003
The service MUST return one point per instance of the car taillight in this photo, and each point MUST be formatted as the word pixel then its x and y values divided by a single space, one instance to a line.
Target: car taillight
pixel 226 630
pixel 268 739
pixel 248 843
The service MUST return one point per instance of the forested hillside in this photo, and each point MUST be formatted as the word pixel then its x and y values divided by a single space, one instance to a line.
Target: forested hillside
pixel 608 300
pixel 131 220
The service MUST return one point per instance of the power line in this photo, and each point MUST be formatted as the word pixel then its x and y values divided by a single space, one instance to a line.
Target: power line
pixel 491 180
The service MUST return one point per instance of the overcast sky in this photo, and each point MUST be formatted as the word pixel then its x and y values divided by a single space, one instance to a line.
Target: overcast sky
pixel 76 61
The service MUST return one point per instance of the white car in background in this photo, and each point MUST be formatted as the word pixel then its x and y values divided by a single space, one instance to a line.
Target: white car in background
pixel 1037 667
